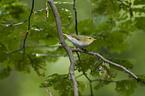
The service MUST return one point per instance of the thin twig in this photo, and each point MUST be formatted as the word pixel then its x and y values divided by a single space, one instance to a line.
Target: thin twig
pixel 76 25
pixel 25 38
pixel 28 23
pixel 110 62
pixel 67 48
pixel 14 51
pixel 79 59
pixel 79 75
pixel 40 10
pixel 7 25
pixel 24 42
pixel 103 80
pixel 47 89
pixel 110 81
pixel 90 81
pixel 50 55
pixel 76 21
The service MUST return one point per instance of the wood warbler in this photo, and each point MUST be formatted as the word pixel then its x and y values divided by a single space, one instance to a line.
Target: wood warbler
pixel 80 41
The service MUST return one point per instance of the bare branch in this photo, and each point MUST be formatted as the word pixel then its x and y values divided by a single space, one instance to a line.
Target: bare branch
pixel 67 48
pixel 110 62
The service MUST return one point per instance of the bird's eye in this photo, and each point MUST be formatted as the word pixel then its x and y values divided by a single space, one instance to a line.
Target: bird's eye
pixel 90 38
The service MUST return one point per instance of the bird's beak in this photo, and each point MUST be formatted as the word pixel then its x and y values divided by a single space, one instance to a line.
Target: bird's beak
pixel 94 39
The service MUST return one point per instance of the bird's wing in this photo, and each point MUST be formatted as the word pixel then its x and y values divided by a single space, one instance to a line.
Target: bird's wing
pixel 76 37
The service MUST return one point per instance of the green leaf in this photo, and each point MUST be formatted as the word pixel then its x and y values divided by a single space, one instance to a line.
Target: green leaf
pixel 102 83
pixel 138 2
pixel 20 61
pixel 140 24
pixel 3 56
pixel 125 63
pixel 3 53
pixel 61 83
pixel 37 63
pixel 8 1
pixel 142 77
pixel 5 72
pixel 126 87
pixel 86 62
pixel 5 31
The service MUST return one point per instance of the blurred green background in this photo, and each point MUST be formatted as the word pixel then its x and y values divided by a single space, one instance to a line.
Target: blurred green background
pixel 22 84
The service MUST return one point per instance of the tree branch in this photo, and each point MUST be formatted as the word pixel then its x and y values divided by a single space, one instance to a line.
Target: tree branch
pixel 67 48
pixel 110 62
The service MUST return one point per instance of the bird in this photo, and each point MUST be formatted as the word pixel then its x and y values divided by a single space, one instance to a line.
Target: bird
pixel 80 41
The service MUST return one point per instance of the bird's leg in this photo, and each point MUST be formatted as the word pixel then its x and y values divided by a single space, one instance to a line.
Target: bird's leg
pixel 75 48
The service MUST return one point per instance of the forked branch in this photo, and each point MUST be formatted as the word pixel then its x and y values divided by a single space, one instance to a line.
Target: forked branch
pixel 65 46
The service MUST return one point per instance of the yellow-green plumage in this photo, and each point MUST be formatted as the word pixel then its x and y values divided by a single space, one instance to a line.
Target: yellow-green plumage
pixel 80 41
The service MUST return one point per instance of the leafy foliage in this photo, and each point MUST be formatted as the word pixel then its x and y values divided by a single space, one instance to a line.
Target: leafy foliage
pixel 61 83
pixel 100 84
pixel 111 23
pixel 142 77
pixel 126 87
